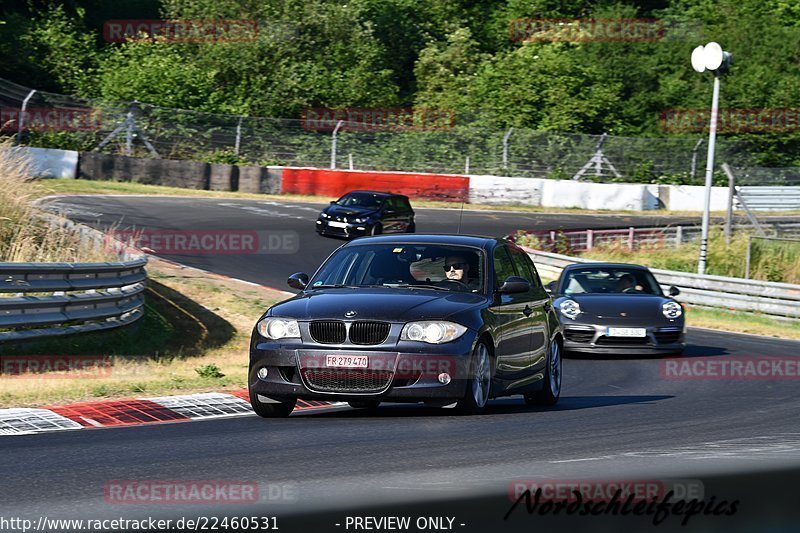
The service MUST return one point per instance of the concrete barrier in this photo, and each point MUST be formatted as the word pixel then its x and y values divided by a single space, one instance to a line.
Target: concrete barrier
pixel 692 197
pixel 260 180
pixel 223 177
pixel 586 195
pixel 495 190
pixel 479 189
pixel 49 162
pixel 323 182
pixel 167 172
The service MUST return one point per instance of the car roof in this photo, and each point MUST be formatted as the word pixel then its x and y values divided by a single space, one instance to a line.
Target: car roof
pixel 600 264
pixel 383 194
pixel 479 241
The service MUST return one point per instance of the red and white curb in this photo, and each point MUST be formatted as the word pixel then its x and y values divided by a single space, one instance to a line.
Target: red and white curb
pixel 137 411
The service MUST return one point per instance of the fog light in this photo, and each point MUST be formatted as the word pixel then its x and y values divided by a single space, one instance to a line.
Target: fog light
pixel 444 378
pixel 263 373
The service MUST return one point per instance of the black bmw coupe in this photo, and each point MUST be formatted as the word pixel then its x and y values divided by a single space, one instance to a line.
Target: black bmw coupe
pixel 609 308
pixel 449 320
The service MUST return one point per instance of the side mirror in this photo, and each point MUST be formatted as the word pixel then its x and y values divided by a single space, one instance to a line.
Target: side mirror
pixel 674 291
pixel 332 201
pixel 514 285
pixel 550 287
pixel 298 280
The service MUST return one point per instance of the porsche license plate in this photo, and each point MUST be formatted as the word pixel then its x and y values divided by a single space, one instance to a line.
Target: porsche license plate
pixel 626 332
pixel 346 361
pixel 337 224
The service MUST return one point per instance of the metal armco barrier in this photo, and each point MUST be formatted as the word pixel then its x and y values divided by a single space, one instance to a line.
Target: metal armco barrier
pixel 770 298
pixel 773 198
pixel 62 298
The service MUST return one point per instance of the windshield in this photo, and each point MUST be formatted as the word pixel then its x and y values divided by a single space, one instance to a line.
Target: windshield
pixel 363 200
pixel 600 280
pixel 444 267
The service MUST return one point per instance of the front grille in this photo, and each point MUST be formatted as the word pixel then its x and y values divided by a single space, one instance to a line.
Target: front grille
pixel 347 380
pixel 668 337
pixel 328 331
pixel 365 332
pixel 579 335
pixel 633 341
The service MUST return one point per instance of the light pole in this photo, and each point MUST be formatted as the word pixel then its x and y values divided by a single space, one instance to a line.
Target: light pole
pixel 710 57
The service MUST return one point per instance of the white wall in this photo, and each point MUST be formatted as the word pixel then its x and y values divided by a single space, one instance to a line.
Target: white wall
pixel 50 163
pixel 495 190
pixel 692 198
pixel 585 195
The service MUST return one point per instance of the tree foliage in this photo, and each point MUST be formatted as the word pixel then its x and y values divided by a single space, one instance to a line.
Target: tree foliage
pixel 449 54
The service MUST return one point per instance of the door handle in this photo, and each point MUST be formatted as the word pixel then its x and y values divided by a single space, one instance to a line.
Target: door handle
pixel 527 311
pixel 548 306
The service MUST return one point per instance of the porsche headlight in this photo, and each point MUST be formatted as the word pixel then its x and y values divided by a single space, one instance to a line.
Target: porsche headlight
pixel 278 328
pixel 324 215
pixel 570 309
pixel 672 309
pixel 432 331
pixel 360 220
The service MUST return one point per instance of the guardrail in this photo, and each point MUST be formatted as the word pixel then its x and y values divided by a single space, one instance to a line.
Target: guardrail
pixel 770 298
pixel 63 298
pixel 634 238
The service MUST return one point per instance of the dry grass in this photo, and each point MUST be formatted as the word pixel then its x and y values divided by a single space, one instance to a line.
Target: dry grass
pixel 770 260
pixel 24 236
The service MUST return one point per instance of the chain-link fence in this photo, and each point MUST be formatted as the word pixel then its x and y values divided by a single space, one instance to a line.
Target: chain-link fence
pixel 463 147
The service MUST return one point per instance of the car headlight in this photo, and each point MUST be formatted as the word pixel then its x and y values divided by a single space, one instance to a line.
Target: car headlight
pixel 323 215
pixel 278 328
pixel 432 331
pixel 570 309
pixel 672 309
pixel 360 220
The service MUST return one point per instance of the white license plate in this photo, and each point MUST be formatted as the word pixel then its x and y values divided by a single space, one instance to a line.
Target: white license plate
pixel 337 224
pixel 346 361
pixel 626 332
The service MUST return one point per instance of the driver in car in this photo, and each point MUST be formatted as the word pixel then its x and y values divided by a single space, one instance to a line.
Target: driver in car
pixel 627 283
pixel 456 268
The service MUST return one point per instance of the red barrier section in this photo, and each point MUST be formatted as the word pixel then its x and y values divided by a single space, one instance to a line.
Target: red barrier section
pixel 321 182
pixel 117 413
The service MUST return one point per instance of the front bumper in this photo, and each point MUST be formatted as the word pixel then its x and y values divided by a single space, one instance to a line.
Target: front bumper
pixel 404 372
pixel 341 229
pixel 592 338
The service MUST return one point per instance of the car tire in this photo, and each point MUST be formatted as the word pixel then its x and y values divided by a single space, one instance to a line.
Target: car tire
pixel 376 229
pixel 479 384
pixel 411 228
pixel 365 404
pixel 271 410
pixel 552 379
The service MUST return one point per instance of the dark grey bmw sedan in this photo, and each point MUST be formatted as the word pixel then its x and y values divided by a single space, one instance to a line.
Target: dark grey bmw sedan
pixel 449 320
